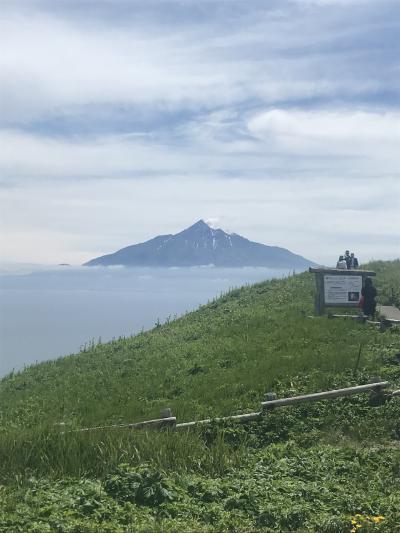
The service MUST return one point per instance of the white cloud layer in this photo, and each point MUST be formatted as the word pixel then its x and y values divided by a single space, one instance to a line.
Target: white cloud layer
pixel 275 143
pixel 50 64
pixel 140 117
pixel 75 222
pixel 353 134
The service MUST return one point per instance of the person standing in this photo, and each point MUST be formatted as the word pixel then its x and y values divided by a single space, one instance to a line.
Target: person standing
pixel 353 261
pixel 347 258
pixel 368 292
pixel 341 264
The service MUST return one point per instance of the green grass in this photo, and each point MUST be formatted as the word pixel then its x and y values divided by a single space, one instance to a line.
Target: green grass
pixel 308 468
pixel 218 360
pixel 388 279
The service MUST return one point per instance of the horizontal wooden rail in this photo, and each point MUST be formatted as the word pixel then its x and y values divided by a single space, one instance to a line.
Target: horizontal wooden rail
pixel 336 393
pixel 147 424
pixel 235 418
pixel 170 421
pixel 157 423
pixel 359 317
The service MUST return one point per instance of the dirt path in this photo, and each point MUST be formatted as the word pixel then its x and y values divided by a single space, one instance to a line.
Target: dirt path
pixel 390 312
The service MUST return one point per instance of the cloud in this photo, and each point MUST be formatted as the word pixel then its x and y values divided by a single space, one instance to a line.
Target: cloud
pixel 348 133
pixel 274 143
pixel 264 115
pixel 124 155
pixel 63 65
pixel 213 222
pixel 73 222
pixel 47 157
pixel 53 64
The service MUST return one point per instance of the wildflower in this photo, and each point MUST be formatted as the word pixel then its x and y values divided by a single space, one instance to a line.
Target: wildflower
pixel 377 519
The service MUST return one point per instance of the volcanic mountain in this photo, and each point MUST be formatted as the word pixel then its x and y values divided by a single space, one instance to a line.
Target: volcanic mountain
pixel 202 245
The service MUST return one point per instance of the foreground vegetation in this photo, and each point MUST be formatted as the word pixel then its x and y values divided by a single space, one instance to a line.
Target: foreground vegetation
pixel 329 466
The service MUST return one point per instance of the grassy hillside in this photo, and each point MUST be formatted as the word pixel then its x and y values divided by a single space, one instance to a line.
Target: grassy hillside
pixel 388 279
pixel 316 467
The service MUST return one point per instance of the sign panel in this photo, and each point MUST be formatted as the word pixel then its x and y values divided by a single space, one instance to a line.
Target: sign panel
pixel 342 289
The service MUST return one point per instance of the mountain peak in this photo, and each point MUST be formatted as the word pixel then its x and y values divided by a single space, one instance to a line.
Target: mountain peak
pixel 199 224
pixel 202 244
pixel 199 228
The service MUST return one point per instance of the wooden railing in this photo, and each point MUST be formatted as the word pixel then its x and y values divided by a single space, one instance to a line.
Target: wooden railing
pixel 272 402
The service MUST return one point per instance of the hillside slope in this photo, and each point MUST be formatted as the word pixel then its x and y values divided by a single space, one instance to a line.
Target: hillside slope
pixel 218 359
pixel 315 467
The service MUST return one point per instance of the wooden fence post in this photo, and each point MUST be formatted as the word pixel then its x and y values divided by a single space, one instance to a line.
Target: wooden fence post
pixel 166 413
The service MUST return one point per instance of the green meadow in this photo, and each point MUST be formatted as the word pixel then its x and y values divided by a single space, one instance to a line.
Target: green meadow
pixel 329 466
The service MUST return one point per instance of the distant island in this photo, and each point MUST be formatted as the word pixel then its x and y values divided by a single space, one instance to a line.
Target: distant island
pixel 200 245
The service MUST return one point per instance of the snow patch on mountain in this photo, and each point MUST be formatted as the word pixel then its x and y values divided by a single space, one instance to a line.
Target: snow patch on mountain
pixel 201 244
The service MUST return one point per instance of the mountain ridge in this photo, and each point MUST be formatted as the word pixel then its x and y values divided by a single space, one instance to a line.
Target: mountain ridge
pixel 199 245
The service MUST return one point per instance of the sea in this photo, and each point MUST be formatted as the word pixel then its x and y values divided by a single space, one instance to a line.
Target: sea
pixel 47 313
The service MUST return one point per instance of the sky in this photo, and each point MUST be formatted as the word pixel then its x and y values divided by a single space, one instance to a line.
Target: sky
pixel 123 119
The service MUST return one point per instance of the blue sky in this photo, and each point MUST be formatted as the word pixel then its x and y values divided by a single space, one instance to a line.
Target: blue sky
pixel 122 119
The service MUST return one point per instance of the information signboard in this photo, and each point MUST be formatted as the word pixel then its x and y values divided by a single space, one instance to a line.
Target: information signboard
pixel 342 289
